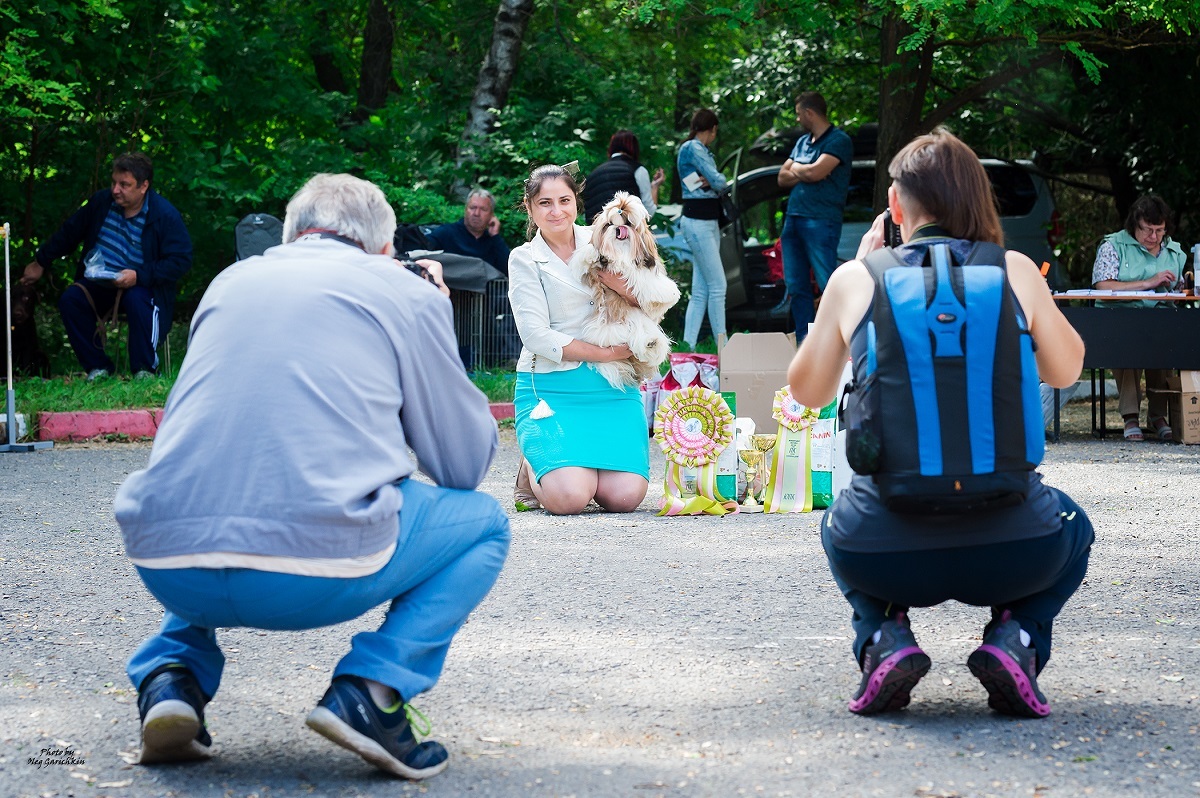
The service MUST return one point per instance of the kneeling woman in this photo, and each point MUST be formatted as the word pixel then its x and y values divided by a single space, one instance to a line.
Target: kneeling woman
pixel 581 439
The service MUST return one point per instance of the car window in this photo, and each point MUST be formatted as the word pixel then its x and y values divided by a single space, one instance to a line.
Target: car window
pixel 859 197
pixel 1015 190
pixel 762 204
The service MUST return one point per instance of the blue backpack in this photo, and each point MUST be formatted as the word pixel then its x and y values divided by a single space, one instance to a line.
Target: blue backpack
pixel 944 410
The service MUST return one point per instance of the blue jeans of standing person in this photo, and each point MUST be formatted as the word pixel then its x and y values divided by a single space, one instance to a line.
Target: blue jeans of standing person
pixel 703 237
pixel 80 319
pixel 809 247
pixel 1031 578
pixel 450 549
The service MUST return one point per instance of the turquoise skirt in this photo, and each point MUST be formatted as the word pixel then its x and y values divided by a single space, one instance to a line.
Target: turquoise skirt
pixel 594 424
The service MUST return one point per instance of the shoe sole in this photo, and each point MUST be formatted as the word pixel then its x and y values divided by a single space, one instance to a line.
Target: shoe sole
pixel 334 729
pixel 169 734
pixel 1009 690
pixel 892 681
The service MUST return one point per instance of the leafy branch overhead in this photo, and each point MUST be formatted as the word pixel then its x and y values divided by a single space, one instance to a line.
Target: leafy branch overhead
pixel 238 103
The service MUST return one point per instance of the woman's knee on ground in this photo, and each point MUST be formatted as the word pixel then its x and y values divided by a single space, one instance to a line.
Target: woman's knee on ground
pixel 566 496
pixel 621 493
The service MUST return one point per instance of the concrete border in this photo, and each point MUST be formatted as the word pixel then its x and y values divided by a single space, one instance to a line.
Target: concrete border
pixel 87 424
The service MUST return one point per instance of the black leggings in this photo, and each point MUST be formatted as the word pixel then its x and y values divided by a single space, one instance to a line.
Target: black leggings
pixel 1031 578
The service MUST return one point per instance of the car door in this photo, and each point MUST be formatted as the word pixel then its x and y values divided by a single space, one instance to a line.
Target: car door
pixel 732 238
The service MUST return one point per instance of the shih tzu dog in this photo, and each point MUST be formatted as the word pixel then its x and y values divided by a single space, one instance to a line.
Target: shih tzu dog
pixel 623 244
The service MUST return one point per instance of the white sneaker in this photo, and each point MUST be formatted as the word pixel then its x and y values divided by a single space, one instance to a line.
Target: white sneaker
pixel 96 374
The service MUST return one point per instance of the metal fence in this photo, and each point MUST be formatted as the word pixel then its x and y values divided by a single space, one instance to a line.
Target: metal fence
pixel 483 324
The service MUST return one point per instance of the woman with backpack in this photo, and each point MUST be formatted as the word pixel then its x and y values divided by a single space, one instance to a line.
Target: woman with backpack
pixel 944 428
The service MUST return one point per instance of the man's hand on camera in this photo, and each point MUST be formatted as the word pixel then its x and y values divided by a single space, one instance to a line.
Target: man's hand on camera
pixel 435 271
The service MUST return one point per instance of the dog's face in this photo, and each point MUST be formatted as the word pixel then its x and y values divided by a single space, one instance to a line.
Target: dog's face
pixel 621 235
pixel 24 298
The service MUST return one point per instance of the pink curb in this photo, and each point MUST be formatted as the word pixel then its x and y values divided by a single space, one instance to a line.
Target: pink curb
pixel 85 425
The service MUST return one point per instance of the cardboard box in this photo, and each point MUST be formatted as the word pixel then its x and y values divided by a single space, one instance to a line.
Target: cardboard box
pixel 754 366
pixel 1183 402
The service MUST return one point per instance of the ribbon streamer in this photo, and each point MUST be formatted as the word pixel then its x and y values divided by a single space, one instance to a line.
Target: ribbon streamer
pixel 693 426
pixel 789 488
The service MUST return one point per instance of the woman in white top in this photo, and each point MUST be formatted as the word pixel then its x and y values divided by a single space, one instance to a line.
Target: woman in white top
pixel 581 439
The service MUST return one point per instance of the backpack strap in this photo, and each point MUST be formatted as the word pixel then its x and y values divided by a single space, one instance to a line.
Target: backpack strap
pixel 985 253
pixel 880 261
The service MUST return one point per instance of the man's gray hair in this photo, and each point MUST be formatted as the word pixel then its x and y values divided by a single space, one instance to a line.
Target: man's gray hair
pixel 345 205
pixel 482 192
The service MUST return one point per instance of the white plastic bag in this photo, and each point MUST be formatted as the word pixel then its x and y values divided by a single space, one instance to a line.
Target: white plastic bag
pixel 94 267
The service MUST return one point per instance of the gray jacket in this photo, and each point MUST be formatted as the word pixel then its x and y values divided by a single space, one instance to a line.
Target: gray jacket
pixel 311 370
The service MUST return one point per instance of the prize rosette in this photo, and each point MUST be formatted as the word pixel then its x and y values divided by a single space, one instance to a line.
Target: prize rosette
pixel 790 413
pixel 693 426
pixel 789 488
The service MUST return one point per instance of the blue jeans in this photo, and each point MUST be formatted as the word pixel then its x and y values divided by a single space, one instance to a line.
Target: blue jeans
pixel 703 237
pixel 1032 578
pixel 450 549
pixel 809 247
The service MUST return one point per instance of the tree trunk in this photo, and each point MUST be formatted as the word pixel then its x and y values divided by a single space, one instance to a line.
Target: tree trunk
pixel 321 51
pixel 26 230
pixel 495 76
pixel 687 92
pixel 687 81
pixel 376 74
pixel 904 78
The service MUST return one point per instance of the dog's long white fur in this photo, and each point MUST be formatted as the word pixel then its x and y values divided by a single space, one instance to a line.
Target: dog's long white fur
pixel 635 258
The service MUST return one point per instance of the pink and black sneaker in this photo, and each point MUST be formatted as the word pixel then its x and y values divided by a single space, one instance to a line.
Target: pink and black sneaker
pixel 1008 670
pixel 892 666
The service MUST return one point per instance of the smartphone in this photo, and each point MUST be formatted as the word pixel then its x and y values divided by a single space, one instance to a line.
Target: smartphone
pixel 891 230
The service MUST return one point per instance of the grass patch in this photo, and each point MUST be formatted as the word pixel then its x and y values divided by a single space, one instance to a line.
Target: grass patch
pixel 74 393
pixel 497 386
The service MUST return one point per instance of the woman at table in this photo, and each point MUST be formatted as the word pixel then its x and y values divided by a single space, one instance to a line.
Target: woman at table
pixel 581 439
pixel 1142 257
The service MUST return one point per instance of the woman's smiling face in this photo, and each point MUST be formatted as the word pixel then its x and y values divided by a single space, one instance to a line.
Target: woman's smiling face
pixel 553 210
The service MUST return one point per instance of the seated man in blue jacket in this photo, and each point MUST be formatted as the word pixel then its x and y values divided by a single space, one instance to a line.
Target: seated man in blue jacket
pixel 477 234
pixel 142 238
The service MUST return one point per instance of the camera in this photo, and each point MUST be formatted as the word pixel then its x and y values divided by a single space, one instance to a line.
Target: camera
pixel 418 270
pixel 891 230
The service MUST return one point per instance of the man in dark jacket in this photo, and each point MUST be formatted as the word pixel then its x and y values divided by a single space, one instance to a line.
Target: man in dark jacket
pixel 477 234
pixel 132 233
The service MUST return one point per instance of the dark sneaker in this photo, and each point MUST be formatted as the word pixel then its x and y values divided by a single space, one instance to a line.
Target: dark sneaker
pixel 891 668
pixel 1008 670
pixel 171 706
pixel 348 716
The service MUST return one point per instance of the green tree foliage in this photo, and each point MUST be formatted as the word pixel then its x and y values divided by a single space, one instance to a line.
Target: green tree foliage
pixel 238 103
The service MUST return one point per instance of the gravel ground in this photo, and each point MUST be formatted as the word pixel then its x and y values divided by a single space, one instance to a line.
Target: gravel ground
pixel 628 656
